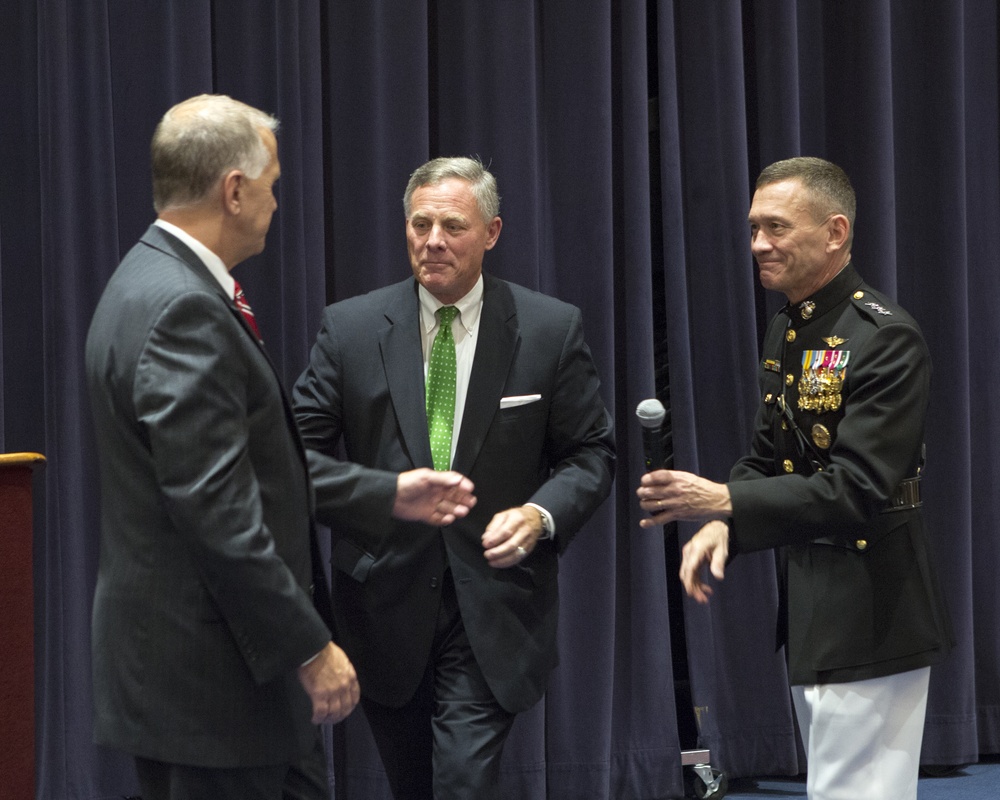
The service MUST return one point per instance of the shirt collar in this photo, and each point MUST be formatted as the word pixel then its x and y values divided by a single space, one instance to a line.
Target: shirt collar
pixel 211 261
pixel 469 307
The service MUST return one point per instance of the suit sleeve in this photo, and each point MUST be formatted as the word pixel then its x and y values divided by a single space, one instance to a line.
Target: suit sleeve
pixel 878 444
pixel 191 394
pixel 345 492
pixel 580 443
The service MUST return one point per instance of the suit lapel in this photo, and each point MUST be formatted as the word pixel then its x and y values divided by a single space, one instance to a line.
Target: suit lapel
pixel 168 243
pixel 403 362
pixel 496 345
pixel 165 242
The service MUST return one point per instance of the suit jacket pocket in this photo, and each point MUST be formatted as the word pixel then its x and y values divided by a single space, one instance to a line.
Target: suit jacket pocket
pixel 515 401
pixel 352 560
pixel 525 414
pixel 540 568
pixel 859 606
pixel 869 537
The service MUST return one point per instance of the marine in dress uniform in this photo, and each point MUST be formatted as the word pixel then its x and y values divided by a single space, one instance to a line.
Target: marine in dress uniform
pixel 833 480
pixel 844 382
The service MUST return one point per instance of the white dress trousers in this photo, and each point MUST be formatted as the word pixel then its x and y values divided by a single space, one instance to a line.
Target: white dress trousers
pixel 862 739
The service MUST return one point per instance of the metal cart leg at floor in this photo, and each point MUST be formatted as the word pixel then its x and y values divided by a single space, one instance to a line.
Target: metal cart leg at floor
pixel 700 780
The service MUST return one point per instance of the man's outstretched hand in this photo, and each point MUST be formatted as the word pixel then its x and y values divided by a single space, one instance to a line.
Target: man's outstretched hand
pixel 437 498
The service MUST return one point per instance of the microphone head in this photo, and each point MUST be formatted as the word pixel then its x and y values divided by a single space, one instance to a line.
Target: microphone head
pixel 651 413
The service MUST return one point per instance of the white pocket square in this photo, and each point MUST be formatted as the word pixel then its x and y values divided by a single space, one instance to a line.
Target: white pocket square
pixel 518 400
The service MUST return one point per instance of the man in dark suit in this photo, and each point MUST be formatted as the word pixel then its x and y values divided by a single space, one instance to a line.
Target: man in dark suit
pixel 452 628
pixel 211 663
pixel 833 477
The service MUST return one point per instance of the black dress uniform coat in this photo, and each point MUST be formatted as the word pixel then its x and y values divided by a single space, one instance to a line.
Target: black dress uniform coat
pixel 844 383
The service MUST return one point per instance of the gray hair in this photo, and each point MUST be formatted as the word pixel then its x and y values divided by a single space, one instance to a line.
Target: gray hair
pixel 481 180
pixel 201 139
pixel 829 188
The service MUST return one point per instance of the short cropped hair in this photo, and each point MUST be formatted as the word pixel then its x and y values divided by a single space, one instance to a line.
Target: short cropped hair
pixel 484 185
pixel 829 188
pixel 200 140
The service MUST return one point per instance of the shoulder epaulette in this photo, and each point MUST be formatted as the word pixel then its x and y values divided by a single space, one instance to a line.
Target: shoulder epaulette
pixel 877 308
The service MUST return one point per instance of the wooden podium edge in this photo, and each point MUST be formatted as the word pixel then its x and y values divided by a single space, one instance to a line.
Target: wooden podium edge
pixel 18 728
pixel 22 460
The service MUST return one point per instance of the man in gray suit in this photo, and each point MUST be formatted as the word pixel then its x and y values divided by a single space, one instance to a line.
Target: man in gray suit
pixel 211 662
pixel 452 627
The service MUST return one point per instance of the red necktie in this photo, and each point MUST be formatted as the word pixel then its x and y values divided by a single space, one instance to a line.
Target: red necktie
pixel 241 303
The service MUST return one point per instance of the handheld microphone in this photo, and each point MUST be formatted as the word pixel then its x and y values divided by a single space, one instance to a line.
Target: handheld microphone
pixel 651 414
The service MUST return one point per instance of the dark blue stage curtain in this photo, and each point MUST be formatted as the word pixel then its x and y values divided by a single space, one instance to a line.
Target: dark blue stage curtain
pixel 625 135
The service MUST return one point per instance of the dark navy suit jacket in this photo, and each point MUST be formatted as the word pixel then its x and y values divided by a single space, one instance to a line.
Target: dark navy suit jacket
pixel 364 387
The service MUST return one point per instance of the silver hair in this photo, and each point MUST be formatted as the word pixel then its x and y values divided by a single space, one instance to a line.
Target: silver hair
pixel 480 179
pixel 201 139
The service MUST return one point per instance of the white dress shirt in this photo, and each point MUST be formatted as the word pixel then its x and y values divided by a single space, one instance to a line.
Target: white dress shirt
pixel 211 261
pixel 465 330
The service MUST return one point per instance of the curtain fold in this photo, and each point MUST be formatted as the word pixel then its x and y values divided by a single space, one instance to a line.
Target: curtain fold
pixel 78 236
pixel 976 712
pixel 738 682
pixel 625 136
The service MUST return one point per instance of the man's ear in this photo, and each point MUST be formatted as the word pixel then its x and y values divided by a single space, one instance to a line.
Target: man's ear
pixel 232 189
pixel 838 232
pixel 493 232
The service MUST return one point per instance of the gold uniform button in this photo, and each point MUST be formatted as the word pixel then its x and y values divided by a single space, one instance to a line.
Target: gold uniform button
pixel 861 544
pixel 768 398
pixel 789 466
pixel 784 425
pixel 789 379
pixel 821 436
pixel 790 335
pixel 858 295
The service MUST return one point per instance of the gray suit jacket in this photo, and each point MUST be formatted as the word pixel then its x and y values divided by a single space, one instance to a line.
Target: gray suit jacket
pixel 203 607
pixel 364 387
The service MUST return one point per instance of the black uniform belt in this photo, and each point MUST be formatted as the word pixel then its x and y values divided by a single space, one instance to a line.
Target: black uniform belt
pixel 907 495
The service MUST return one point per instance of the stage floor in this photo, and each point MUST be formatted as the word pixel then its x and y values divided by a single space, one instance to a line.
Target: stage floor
pixel 974 781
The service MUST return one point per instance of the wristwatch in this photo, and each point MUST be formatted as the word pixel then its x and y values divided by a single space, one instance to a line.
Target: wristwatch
pixel 548 526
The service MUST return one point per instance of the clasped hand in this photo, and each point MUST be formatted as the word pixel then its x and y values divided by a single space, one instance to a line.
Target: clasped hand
pixel 511 536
